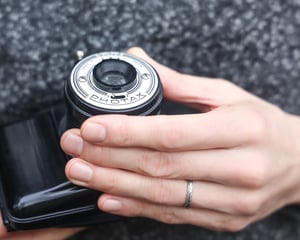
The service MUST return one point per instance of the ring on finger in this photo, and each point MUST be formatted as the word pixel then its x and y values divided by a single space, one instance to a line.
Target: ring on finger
pixel 189 194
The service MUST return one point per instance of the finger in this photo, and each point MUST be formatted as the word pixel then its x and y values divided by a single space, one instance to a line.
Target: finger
pixel 190 89
pixel 124 183
pixel 71 142
pixel 214 129
pixel 172 215
pixel 234 167
pixel 162 191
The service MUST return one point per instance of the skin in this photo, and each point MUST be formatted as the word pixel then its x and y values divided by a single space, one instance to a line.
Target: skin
pixel 242 155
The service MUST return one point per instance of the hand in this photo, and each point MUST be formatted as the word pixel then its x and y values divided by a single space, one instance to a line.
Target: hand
pixel 242 155
pixel 45 234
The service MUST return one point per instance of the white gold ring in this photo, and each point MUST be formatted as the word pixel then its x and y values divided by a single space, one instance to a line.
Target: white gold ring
pixel 189 194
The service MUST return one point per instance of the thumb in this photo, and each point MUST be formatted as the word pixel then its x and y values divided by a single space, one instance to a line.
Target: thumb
pixel 199 92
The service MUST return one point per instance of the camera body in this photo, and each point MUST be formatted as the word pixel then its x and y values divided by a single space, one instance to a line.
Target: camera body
pixel 34 192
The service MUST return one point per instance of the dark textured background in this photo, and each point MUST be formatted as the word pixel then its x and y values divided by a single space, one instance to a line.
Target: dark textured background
pixel 255 44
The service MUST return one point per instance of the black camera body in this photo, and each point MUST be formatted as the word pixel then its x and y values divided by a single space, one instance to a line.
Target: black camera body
pixel 34 192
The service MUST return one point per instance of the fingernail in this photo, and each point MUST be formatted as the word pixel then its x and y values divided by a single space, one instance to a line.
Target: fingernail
pixel 73 144
pixel 94 132
pixel 111 205
pixel 81 172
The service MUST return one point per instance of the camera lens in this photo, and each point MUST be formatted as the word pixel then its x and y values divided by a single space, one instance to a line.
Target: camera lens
pixel 113 82
pixel 114 73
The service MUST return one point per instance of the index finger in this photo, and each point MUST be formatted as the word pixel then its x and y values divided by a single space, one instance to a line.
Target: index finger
pixel 215 129
pixel 200 92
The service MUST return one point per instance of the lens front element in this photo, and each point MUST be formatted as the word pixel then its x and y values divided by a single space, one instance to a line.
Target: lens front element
pixel 114 82
pixel 114 75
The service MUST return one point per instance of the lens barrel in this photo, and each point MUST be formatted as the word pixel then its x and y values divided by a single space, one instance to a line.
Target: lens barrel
pixel 113 83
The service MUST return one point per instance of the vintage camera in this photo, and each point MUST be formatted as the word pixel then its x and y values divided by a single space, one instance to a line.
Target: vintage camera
pixel 34 192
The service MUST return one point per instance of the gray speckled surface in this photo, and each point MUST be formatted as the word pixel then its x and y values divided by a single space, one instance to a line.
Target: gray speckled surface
pixel 255 44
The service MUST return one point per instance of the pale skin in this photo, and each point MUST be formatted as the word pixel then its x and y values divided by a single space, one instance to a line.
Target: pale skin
pixel 243 155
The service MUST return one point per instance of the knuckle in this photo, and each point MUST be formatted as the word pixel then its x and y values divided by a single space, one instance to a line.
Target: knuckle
pixel 157 164
pixel 162 214
pixel 248 205
pixel 169 216
pixel 137 210
pixel 259 125
pixel 123 137
pixel 252 172
pixel 230 223
pixel 256 175
pixel 93 153
pixel 110 184
pixel 255 181
pixel 170 137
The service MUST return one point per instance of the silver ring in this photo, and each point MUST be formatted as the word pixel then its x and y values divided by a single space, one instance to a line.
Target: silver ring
pixel 189 194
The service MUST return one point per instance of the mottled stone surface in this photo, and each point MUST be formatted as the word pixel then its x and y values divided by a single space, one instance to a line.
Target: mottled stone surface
pixel 255 44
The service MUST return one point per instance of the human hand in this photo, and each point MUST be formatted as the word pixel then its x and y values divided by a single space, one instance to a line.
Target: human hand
pixel 242 155
pixel 45 234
